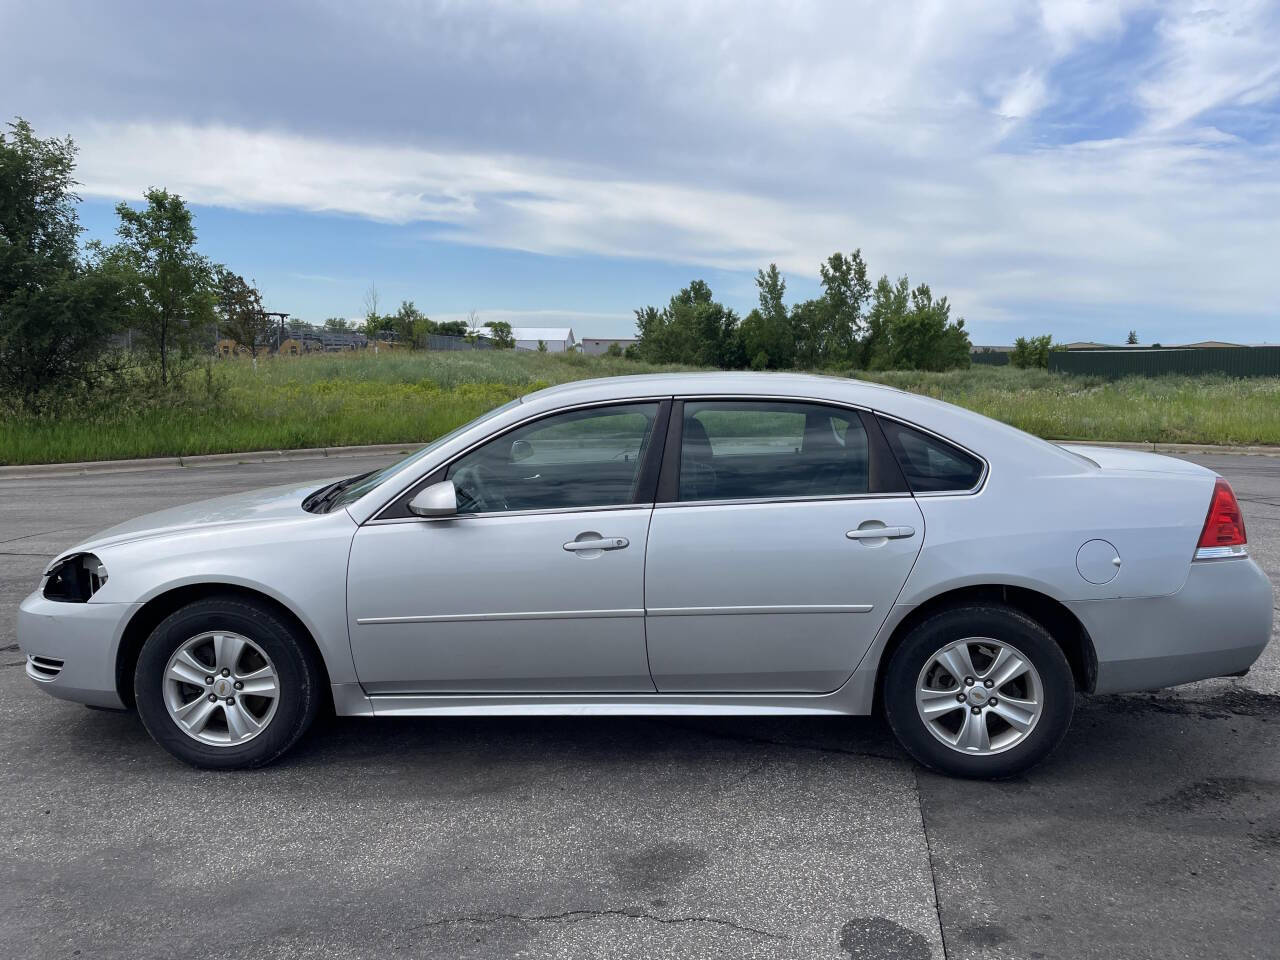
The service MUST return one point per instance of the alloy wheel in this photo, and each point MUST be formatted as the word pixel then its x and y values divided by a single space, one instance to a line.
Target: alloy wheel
pixel 979 696
pixel 221 688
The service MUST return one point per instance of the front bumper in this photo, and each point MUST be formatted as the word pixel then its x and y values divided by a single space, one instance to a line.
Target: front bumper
pixel 83 638
pixel 1217 624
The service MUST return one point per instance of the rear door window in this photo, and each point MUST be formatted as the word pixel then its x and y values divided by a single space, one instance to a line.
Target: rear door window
pixel 748 450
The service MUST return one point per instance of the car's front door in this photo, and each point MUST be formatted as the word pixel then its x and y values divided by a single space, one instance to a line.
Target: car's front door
pixel 537 585
pixel 787 535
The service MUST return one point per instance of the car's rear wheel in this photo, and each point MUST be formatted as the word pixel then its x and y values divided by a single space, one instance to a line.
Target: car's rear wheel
pixel 979 691
pixel 226 683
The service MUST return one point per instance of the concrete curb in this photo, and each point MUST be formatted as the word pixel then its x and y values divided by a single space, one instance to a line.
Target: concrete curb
pixel 36 470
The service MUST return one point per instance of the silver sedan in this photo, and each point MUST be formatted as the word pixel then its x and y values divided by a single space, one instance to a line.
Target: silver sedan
pixel 675 544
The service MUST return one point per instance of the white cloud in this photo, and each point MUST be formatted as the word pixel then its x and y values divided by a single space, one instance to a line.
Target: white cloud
pixel 1144 221
pixel 521 203
pixel 1018 156
pixel 1068 22
pixel 1024 97
pixel 1212 56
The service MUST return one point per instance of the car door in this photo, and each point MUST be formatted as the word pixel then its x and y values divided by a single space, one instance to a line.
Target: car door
pixel 537 585
pixel 782 536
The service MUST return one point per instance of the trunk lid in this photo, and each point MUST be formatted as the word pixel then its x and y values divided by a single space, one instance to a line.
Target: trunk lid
pixel 1119 458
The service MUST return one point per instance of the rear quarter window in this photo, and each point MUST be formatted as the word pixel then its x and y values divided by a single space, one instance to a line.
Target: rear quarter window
pixel 931 464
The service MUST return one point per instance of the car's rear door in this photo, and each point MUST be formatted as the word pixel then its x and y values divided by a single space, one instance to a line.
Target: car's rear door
pixel 782 536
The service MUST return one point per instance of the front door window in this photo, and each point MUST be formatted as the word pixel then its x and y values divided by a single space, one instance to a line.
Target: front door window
pixel 583 458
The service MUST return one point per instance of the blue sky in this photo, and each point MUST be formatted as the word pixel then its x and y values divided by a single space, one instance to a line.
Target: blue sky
pixel 1075 167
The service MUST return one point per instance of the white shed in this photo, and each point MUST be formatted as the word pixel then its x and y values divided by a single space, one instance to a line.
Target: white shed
pixel 557 339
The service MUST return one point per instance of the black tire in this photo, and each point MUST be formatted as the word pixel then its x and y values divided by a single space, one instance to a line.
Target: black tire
pixel 997 622
pixel 298 675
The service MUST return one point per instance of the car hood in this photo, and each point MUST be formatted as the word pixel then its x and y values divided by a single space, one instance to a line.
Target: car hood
pixel 267 505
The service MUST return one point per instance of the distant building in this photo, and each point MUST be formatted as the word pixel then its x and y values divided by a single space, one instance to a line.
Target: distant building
pixel 1198 345
pixel 595 346
pixel 557 339
pixel 1087 345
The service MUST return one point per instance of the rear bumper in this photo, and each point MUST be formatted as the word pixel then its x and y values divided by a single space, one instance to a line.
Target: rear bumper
pixel 71 647
pixel 1217 624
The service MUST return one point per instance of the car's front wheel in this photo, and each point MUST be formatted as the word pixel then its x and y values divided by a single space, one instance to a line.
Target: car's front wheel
pixel 226 683
pixel 979 691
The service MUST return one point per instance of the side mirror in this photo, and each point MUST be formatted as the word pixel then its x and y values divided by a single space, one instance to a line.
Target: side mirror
pixel 438 500
pixel 521 450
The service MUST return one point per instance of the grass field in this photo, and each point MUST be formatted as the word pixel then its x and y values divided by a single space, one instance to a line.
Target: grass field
pixel 341 399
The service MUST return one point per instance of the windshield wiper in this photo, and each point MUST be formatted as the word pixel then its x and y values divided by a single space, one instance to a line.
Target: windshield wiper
pixel 319 501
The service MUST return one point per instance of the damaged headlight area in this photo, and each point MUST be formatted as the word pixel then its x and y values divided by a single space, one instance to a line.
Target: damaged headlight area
pixel 74 579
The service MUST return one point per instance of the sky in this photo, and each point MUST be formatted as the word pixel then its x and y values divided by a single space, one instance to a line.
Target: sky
pixel 1074 168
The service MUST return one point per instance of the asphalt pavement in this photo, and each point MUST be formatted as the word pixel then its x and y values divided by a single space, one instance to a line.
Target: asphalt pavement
pixel 1154 831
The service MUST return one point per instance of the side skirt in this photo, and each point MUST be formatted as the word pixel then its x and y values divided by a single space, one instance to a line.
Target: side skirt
pixel 350 700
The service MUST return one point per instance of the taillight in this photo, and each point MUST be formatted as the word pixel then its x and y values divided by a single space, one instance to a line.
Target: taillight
pixel 1223 534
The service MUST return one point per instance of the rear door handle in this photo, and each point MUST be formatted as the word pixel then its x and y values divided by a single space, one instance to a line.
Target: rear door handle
pixel 881 533
pixel 604 543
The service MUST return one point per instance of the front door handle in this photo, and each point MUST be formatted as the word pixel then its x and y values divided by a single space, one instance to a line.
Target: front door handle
pixel 600 543
pixel 881 533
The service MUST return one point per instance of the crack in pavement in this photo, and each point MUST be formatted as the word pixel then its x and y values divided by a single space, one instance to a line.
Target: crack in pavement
pixel 28 536
pixel 933 875
pixel 578 916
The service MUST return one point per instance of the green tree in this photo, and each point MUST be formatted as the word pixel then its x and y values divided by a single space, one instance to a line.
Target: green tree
pixel 613 350
pixel 890 303
pixel 379 326
pixel 656 341
pixel 845 291
pixel 1031 352
pixel 411 326
pixel 827 329
pixel 1133 337
pixel 542 346
pixel 808 321
pixel 337 324
pixel 768 336
pixel 450 328
pixel 907 329
pixel 500 333
pixel 693 328
pixel 707 328
pixel 57 310
pixel 850 323
pixel 240 315
pixel 927 339
pixel 170 285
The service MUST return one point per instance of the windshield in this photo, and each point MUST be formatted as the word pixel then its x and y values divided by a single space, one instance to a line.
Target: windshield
pixel 357 490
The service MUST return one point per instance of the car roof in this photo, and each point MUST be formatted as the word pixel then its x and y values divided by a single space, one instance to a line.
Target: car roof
pixel 714 381
pixel 996 442
pixel 958 424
